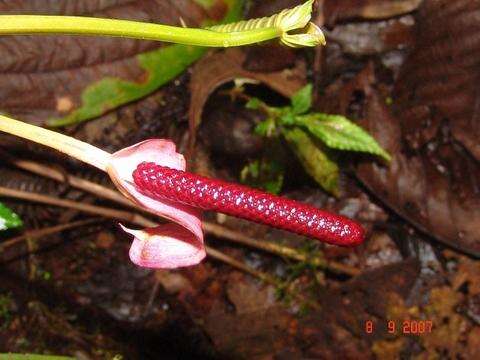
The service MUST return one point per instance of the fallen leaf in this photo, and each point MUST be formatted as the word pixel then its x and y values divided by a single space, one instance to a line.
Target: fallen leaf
pixel 105 240
pixel 438 83
pixel 257 329
pixel 473 345
pixel 173 282
pixel 67 79
pixel 433 179
pixel 446 336
pixel 468 271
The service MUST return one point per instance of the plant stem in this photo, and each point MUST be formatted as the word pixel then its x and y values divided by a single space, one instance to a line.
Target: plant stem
pixel 63 143
pixel 78 25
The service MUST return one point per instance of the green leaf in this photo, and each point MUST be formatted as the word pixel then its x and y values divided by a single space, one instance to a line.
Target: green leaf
pixel 316 162
pixel 160 66
pixel 8 219
pixel 287 117
pixel 302 100
pixel 337 132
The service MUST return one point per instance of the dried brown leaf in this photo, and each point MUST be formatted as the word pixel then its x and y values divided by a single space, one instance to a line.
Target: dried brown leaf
pixel 439 80
pixel 433 180
pixel 415 188
pixel 44 77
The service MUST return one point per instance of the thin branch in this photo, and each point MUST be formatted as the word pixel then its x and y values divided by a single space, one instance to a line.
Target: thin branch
pixel 91 209
pixel 284 251
pixel 35 234
pixel 74 181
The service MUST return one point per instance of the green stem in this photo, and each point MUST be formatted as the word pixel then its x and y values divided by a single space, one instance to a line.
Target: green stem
pixel 77 25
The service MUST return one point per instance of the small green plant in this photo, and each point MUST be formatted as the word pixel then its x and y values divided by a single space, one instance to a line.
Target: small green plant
pixel 315 137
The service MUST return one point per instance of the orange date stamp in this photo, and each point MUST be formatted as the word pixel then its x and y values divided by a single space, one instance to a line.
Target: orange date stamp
pixel 405 327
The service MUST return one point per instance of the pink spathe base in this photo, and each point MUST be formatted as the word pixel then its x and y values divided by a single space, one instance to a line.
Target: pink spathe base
pixel 169 246
pixel 166 246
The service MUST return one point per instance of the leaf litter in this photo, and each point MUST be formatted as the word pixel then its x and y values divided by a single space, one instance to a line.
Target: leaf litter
pixel 213 310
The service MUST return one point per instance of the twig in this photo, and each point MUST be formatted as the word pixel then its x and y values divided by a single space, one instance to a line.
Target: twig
pixel 34 234
pixel 74 181
pixel 91 209
pixel 211 228
pixel 221 231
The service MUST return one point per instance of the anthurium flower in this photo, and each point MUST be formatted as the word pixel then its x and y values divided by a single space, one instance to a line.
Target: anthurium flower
pixel 152 174
pixel 165 246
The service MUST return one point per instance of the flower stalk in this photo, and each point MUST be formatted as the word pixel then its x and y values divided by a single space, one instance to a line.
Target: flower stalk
pixel 68 145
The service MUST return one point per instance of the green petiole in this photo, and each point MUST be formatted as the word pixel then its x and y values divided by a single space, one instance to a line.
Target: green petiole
pixel 237 34
pixel 77 25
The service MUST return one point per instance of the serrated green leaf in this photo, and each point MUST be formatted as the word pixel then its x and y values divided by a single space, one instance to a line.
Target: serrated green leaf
pixel 316 162
pixel 8 219
pixel 337 132
pixel 302 100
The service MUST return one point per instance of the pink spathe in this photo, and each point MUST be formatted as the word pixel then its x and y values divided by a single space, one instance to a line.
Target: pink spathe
pixel 165 246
